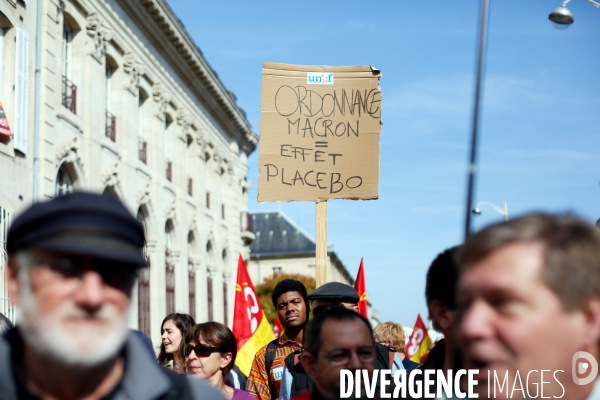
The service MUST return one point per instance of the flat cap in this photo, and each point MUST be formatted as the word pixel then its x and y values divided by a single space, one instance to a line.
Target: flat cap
pixel 80 223
pixel 335 291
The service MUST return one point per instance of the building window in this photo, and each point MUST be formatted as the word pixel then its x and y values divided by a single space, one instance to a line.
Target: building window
pixel 64 181
pixel 111 120
pixel 143 146
pixel 192 289
pixel 144 285
pixel 209 281
pixel 169 268
pixel 277 271
pixel 69 89
pixel 6 307
pixel 209 295
pixel 208 200
pixel 191 275
pixel 225 305
pixel 223 211
pixel 169 171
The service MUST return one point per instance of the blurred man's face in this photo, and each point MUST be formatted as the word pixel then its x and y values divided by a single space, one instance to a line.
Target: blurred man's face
pixel 512 321
pixel 74 309
pixel 291 310
pixel 346 345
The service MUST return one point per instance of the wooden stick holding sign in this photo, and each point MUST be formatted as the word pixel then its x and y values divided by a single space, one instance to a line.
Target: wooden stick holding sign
pixel 321 259
pixel 319 139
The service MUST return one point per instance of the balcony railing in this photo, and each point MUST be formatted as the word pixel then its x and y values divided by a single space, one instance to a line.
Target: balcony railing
pixel 111 126
pixel 190 186
pixel 169 171
pixel 143 148
pixel 69 95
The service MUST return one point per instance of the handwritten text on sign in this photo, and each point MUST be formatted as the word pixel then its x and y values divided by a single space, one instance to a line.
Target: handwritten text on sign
pixel 319 142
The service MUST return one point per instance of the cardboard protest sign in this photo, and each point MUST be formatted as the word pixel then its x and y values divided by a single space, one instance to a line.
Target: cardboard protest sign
pixel 319 133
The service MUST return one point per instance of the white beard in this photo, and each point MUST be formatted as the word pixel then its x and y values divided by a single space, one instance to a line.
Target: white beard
pixel 81 346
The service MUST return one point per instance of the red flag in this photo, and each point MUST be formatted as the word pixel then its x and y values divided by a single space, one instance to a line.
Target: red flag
pixel 250 326
pixel 361 287
pixel 418 343
pixel 4 128
pixel 277 328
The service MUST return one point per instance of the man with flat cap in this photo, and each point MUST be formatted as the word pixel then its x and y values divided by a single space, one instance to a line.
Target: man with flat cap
pixel 72 264
pixel 295 381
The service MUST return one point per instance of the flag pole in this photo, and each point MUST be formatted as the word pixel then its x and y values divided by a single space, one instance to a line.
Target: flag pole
pixel 321 254
pixel 472 170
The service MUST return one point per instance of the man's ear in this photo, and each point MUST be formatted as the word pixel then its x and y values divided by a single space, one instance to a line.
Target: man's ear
pixel 308 363
pixel 12 279
pixel 591 312
pixel 441 315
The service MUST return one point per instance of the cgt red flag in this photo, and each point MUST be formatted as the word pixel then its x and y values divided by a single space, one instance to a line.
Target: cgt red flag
pixel 250 326
pixel 277 328
pixel 419 342
pixel 361 287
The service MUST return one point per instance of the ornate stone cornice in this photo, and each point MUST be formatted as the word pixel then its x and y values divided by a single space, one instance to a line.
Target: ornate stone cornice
pixel 110 177
pixel 161 19
pixel 162 99
pixel 143 196
pixel 170 210
pixel 68 152
pixel 100 35
pixel 135 70
pixel 185 122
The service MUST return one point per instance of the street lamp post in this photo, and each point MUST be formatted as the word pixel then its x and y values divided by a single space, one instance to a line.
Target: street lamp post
pixel 562 18
pixel 502 211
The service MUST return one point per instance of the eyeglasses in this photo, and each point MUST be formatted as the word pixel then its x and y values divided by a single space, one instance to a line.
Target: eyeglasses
pixel 201 350
pixel 342 356
pixel 72 266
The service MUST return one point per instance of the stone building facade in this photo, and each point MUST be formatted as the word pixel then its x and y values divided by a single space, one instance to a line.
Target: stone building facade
pixel 118 99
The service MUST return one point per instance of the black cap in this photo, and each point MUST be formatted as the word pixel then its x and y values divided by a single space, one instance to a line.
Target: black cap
pixel 335 291
pixel 80 223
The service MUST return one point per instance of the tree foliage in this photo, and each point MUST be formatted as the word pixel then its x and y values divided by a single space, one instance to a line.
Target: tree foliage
pixel 265 290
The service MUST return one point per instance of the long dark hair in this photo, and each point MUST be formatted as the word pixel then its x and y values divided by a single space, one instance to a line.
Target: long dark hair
pixel 183 322
pixel 217 335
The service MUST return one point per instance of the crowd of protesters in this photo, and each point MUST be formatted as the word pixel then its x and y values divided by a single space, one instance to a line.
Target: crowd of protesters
pixel 518 296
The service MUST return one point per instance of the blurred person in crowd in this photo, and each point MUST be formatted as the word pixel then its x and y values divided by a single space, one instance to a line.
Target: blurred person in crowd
pixel 210 350
pixel 72 264
pixel 336 339
pixel 336 295
pixel 391 335
pixel 5 324
pixel 236 378
pixel 173 330
pixel 291 304
pixel 529 302
pixel 440 295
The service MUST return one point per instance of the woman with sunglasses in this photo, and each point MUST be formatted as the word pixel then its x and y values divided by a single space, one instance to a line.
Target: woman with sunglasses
pixel 210 350
pixel 172 331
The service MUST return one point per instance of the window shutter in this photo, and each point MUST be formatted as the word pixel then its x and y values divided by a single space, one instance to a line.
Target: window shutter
pixel 21 90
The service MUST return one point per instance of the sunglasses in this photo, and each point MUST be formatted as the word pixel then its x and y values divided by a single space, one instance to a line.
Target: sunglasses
pixel 201 350
pixel 342 356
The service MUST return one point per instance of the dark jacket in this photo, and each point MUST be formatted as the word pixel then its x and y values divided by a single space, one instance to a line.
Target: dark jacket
pixel 142 379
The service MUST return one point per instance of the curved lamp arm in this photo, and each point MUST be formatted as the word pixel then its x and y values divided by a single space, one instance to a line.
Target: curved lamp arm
pixel 502 211
pixel 594 3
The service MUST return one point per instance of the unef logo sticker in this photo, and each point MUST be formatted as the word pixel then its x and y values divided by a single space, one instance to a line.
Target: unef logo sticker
pixel 319 78
pixel 580 368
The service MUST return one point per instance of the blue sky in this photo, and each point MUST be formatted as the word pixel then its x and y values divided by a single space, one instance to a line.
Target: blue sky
pixel 539 136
